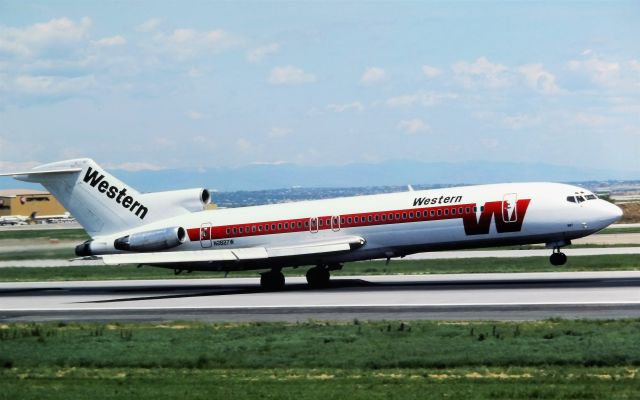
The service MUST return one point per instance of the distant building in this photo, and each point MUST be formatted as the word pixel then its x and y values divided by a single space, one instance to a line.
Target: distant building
pixel 25 202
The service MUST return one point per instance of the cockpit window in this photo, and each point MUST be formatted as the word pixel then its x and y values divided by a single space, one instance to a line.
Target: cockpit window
pixel 591 197
pixel 580 199
pixel 571 199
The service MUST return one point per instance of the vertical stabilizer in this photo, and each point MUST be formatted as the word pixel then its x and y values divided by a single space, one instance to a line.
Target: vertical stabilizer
pixel 101 203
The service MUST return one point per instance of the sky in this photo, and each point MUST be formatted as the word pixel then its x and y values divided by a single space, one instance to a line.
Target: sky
pixel 194 84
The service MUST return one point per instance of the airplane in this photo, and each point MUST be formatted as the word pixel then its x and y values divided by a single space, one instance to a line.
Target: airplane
pixel 51 218
pixel 13 220
pixel 172 229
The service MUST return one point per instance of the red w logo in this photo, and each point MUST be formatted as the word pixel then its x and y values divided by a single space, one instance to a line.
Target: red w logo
pixel 507 219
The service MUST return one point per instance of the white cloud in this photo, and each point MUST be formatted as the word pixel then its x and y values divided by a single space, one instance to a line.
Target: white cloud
pixel 339 108
pixel 256 54
pixel 185 43
pixel 243 145
pixel 135 166
pixel 149 25
pixel 481 73
pixel 53 85
pixel 539 79
pixel 10 166
pixel 373 75
pixel 278 132
pixel 520 121
pixel 111 41
pixel 194 115
pixel 430 72
pixel 423 98
pixel 56 34
pixel 601 72
pixel 590 120
pixel 413 126
pixel 290 75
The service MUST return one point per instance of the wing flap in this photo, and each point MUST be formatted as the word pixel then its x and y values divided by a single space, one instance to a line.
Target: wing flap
pixel 239 254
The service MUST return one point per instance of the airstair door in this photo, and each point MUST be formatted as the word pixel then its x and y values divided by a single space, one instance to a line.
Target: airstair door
pixel 205 235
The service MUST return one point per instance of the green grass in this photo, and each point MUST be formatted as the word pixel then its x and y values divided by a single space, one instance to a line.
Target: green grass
pixel 45 254
pixel 619 230
pixel 484 360
pixel 60 234
pixel 471 265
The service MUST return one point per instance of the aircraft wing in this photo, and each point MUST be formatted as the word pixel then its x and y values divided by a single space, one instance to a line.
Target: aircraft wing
pixel 347 243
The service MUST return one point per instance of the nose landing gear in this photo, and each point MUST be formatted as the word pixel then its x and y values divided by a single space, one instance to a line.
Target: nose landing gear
pixel 558 257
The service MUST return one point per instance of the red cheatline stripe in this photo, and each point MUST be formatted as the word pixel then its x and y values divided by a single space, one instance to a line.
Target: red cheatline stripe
pixel 325 222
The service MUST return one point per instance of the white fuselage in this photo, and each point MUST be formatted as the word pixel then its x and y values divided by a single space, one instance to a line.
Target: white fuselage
pixel 396 224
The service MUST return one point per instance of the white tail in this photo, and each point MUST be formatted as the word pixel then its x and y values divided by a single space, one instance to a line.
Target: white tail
pixel 103 204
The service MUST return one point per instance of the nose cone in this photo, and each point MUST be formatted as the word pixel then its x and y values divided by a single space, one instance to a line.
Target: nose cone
pixel 616 212
pixel 609 213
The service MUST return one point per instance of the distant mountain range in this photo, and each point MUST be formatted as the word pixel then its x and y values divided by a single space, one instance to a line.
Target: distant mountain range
pixel 390 173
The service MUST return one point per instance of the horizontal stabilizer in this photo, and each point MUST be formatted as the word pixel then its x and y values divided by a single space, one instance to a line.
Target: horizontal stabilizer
pixel 34 173
pixel 239 254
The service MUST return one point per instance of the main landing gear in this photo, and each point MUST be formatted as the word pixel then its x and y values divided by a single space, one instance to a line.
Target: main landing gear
pixel 272 280
pixel 317 277
pixel 558 257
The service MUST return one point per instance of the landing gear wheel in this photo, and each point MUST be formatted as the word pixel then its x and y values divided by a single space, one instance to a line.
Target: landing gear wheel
pixel 272 280
pixel 558 258
pixel 318 277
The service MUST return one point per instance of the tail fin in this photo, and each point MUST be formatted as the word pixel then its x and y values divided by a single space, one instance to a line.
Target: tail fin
pixel 101 203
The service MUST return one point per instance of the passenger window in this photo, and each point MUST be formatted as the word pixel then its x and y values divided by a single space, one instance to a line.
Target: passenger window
pixel 369 218
pixel 377 217
pixel 404 215
pixel 481 208
pixel 418 214
pixel 273 227
pixel 320 222
pixel 460 210
pixel 349 220
pixel 228 231
pixel 432 213
pixel 475 209
pixel 397 215
pixel 266 227
pixel 355 219
pixel 446 211
pixel 306 224
pixel 439 212
pixel 253 228
pixel 411 215
pixel 342 221
pixel 383 217
pixel 286 225
pixel 234 231
pixel 467 210
pixel 279 226
pixel 240 230
pixel 453 211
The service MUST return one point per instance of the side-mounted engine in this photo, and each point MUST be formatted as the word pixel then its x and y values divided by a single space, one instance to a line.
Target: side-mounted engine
pixel 156 240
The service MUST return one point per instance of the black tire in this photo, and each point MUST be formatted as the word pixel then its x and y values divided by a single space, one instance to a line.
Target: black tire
pixel 318 277
pixel 558 259
pixel 272 281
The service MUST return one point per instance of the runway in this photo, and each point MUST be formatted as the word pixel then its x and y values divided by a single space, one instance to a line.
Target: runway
pixel 521 296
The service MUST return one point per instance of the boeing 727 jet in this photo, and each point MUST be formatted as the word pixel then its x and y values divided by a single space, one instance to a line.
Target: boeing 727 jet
pixel 173 230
